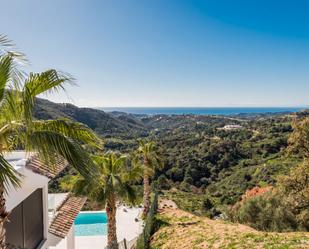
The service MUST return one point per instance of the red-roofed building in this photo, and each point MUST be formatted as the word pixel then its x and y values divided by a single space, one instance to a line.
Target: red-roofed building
pixel 38 219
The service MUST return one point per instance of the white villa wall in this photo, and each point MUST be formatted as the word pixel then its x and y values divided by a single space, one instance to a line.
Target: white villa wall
pixel 45 212
pixel 55 242
pixel 71 238
pixel 30 182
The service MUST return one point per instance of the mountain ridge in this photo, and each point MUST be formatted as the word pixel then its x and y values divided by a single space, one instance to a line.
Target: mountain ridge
pixel 103 123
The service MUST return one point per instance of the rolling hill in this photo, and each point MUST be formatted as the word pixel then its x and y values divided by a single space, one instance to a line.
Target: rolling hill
pixel 103 123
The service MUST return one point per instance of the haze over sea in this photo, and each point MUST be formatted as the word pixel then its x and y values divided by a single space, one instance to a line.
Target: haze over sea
pixel 202 110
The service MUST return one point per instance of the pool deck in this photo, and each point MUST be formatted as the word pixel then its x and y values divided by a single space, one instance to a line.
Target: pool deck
pixel 127 228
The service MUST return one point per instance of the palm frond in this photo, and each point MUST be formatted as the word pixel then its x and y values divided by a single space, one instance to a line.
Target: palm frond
pixel 10 135
pixel 114 180
pixel 11 107
pixel 101 196
pixel 67 183
pixel 128 193
pixel 7 49
pixel 42 83
pixel 6 64
pixel 149 171
pixel 119 163
pixel 132 174
pixel 8 175
pixel 83 186
pixel 5 41
pixel 158 161
pixel 50 143
pixel 148 156
pixel 10 73
pixel 73 130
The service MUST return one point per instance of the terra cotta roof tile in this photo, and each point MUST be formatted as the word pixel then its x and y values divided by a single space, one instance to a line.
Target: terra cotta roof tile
pixel 50 170
pixel 66 215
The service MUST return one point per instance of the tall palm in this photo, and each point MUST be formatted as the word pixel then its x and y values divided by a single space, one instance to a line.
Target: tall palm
pixel 50 139
pixel 147 156
pixel 113 183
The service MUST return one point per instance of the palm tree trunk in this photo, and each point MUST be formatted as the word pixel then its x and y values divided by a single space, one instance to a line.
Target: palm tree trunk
pixel 112 242
pixel 146 194
pixel 3 217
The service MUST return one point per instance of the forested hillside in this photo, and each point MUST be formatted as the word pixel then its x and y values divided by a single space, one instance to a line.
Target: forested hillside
pixel 209 161
pixel 103 123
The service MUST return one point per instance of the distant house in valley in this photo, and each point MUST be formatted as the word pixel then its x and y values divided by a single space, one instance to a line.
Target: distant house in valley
pixel 231 127
pixel 38 219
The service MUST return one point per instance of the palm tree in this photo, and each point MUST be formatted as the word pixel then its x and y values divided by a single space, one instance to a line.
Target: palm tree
pixel 148 157
pixel 50 138
pixel 113 183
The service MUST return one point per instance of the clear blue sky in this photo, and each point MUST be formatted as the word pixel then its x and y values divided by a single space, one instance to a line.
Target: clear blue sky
pixel 168 52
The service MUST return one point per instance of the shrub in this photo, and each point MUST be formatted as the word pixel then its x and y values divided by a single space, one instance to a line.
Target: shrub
pixel 163 183
pixel 295 188
pixel 207 204
pixel 266 212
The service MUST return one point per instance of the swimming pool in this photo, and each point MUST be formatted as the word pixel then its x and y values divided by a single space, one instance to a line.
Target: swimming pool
pixel 91 224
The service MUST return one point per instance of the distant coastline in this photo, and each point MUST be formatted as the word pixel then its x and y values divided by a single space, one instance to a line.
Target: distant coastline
pixel 202 110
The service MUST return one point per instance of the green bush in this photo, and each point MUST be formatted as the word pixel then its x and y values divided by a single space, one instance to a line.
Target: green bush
pixel 163 183
pixel 266 212
pixel 295 189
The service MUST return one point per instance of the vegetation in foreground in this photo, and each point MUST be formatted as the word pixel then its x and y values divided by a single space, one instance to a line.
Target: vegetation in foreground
pixel 113 183
pixel 180 229
pixel 147 157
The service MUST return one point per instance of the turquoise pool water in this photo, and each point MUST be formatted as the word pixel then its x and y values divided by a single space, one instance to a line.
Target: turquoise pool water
pixel 91 224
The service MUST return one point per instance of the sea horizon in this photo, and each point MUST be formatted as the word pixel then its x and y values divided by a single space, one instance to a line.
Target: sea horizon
pixel 202 110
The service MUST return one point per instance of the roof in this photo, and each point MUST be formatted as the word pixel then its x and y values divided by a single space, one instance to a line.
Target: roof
pixel 66 215
pixel 17 158
pixel 37 165
pixel 30 160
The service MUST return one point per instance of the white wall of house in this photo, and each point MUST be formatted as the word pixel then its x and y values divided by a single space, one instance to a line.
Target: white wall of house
pixel 30 183
pixel 55 242
pixel 45 213
pixel 71 238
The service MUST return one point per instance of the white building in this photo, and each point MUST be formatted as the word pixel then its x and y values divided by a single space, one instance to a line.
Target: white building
pixel 37 219
pixel 231 127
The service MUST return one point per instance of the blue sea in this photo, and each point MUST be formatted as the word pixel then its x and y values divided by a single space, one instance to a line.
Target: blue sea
pixel 202 110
